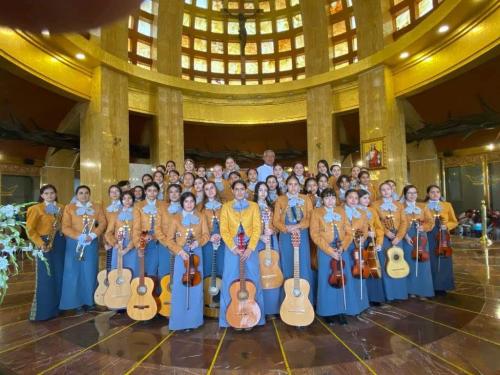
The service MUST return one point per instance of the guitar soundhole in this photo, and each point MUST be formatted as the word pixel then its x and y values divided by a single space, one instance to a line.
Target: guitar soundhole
pixel 119 281
pixel 396 257
pixel 142 290
pixel 242 295
pixel 268 262
pixel 297 292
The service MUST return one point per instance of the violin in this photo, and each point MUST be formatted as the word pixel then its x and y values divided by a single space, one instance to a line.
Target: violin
pixel 359 267
pixel 337 278
pixel 419 244
pixel 191 276
pixel 443 238
pixel 371 261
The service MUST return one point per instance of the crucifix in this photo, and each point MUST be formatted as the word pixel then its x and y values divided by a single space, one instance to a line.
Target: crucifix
pixel 242 16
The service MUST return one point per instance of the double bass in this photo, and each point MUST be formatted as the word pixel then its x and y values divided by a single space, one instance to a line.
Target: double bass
pixel 191 276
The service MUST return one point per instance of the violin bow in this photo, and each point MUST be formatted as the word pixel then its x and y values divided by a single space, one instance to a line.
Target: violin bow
pixel 418 250
pixel 337 241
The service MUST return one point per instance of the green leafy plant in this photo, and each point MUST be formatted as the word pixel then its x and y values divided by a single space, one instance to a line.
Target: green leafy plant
pixel 14 243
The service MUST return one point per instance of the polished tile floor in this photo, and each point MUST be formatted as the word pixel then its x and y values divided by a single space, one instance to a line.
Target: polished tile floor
pixel 455 334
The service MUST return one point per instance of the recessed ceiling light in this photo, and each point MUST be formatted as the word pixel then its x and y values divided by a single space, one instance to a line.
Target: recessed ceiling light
pixel 443 28
pixel 80 56
pixel 404 55
pixel 45 33
pixel 490 147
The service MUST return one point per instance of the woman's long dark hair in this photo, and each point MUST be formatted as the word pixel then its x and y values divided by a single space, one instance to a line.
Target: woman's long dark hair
pixel 256 193
pixel 45 187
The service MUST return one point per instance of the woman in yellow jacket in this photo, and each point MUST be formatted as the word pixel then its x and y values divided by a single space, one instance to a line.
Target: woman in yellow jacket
pixel 83 222
pixel 444 219
pixel 240 222
pixel 43 225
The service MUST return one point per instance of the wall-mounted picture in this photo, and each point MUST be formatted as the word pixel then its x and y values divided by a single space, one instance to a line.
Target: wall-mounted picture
pixel 373 151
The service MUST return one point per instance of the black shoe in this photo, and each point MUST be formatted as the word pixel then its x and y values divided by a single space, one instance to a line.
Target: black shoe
pixel 376 304
pixel 329 320
pixel 342 320
pixel 441 293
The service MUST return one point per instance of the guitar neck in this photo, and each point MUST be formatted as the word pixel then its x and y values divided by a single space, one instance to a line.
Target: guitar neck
pixel 296 267
pixel 141 268
pixel 242 248
pixel 108 260
pixel 213 274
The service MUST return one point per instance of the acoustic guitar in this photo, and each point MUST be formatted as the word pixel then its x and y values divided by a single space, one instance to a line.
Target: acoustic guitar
pixel 212 284
pixel 211 288
pixel 102 281
pixel 118 292
pixel 243 311
pixel 396 265
pixel 296 309
pixel 142 305
pixel 270 273
pixel 167 283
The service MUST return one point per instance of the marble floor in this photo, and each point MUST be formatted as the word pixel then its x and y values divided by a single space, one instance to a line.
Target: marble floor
pixel 454 334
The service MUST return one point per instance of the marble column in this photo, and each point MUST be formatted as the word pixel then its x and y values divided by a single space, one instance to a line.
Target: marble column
pixel 380 114
pixel 322 139
pixel 167 137
pixel 59 171
pixel 104 132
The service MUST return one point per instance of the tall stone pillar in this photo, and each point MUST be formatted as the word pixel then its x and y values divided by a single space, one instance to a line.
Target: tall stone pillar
pixel 167 141
pixel 380 114
pixel 322 140
pixel 104 132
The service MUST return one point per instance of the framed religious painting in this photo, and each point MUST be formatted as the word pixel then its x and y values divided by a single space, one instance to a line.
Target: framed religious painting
pixel 373 153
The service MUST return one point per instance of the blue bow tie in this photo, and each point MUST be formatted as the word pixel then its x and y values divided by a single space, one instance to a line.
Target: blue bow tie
pixel 80 211
pixel 263 206
pixel 174 208
pixel 125 214
pixel 412 209
pixel 366 211
pixel 331 215
pixel 213 205
pixel 434 205
pixel 240 205
pixel 351 213
pixel 150 208
pixel 190 219
pixel 388 205
pixel 219 185
pixel 114 206
pixel 51 209
pixel 294 201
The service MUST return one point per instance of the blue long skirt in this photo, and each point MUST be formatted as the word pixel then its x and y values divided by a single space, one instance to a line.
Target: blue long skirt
pixel 151 259
pixel 393 288
pixel 130 261
pixel 375 287
pixel 208 251
pixel 182 316
pixel 48 288
pixel 272 297
pixel 420 285
pixel 286 249
pixel 231 274
pixel 79 278
pixel 442 267
pixel 331 300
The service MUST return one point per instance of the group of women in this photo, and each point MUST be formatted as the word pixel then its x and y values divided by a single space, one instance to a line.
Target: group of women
pixel 229 217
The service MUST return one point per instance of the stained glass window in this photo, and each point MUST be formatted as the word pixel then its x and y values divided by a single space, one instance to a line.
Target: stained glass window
pixel 234 67
pixel 405 13
pixel 299 41
pixel 217 66
pixel 217 47
pixel 143 49
pixel 202 3
pixel 265 6
pixel 339 28
pixel 268 66
pixel 185 41
pixel 284 45
pixel 297 21
pixel 286 64
pixel 186 20
pixel 282 24
pixel 340 49
pixel 335 6
pixel 200 45
pixel 233 48
pixel 424 7
pixel 280 4
pixel 200 23
pixel 251 28
pixel 147 6
pixel 185 61
pixel 217 27
pixel 403 19
pixel 300 61
pixel 200 64
pixel 233 28
pixel 267 47
pixel 251 49
pixel 266 27
pixel 251 67
pixel 217 5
